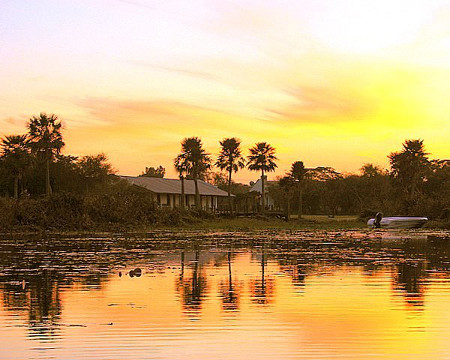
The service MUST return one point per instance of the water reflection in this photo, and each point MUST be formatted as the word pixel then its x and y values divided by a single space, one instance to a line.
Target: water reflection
pixel 262 289
pixel 192 287
pixel 230 290
pixel 38 277
pixel 410 280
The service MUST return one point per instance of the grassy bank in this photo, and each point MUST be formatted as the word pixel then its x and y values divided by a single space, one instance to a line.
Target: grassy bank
pixel 130 210
pixel 308 222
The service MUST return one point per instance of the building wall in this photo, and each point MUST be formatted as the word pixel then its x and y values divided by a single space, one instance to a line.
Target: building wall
pixel 174 200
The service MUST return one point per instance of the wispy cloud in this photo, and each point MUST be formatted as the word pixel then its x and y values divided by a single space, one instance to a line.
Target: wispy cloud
pixel 321 105
pixel 183 71
pixel 138 4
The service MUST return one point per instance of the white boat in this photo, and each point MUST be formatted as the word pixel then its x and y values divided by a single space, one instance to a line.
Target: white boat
pixel 400 222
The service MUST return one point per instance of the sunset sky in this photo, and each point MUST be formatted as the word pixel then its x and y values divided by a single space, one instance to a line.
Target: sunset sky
pixel 332 83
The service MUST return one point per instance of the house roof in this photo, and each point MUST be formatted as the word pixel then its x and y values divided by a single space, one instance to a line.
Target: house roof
pixel 173 186
pixel 257 186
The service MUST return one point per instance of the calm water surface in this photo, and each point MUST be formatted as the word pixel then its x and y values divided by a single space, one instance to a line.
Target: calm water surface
pixel 266 295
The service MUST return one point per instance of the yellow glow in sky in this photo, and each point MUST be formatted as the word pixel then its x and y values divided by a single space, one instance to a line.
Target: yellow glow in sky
pixel 331 83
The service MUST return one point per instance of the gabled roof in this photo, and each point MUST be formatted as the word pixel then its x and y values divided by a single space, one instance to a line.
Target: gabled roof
pixel 257 186
pixel 173 186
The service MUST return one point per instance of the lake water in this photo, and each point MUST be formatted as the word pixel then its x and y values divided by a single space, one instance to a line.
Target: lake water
pixel 265 295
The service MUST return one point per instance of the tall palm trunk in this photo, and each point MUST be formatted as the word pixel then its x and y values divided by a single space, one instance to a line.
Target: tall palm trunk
pixel 182 265
pixel 182 202
pixel 16 187
pixel 288 208
pixel 198 205
pixel 48 188
pixel 263 193
pixel 20 178
pixel 300 202
pixel 229 192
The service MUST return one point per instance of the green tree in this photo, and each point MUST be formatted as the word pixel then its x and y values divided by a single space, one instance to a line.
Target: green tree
pixel 409 169
pixel 94 169
pixel 262 158
pixel 370 170
pixel 298 174
pixel 197 162
pixel 287 186
pixel 231 160
pixel 16 156
pixel 46 141
pixel 151 171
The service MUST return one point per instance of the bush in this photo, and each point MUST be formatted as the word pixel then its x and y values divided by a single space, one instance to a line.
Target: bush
pixel 7 218
pixel 367 214
pixel 118 206
pixel 125 205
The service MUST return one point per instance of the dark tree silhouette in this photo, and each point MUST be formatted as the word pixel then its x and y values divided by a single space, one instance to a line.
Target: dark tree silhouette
pixel 409 169
pixel 15 153
pixel 46 141
pixel 151 171
pixel 262 158
pixel 231 160
pixel 182 167
pixel 95 170
pixel 298 174
pixel 287 186
pixel 196 161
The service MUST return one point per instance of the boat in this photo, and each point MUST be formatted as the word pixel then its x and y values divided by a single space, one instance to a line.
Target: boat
pixel 399 222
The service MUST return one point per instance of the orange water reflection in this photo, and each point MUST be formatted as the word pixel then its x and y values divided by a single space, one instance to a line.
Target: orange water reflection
pixel 194 300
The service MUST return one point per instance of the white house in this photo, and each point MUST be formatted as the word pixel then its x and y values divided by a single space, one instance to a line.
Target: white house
pixel 167 192
pixel 257 186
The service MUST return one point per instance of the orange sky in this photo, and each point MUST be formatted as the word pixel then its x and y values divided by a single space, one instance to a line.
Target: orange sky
pixel 336 83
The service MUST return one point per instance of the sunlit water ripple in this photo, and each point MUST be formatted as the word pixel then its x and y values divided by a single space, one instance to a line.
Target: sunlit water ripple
pixel 267 295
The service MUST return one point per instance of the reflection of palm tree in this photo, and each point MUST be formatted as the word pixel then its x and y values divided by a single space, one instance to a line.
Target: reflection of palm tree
pixel 262 290
pixel 182 265
pixel 300 275
pixel 45 301
pixel 39 297
pixel 229 292
pixel 193 289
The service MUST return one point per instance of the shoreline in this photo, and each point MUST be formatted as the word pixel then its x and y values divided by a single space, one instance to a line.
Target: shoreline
pixel 310 223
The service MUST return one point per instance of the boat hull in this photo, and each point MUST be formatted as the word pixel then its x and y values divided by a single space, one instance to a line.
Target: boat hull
pixel 400 222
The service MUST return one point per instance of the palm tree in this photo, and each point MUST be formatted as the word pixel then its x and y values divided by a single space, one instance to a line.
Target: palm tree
pixel 181 166
pixel 15 152
pixel 45 141
pixel 298 174
pixel 197 162
pixel 262 158
pixel 230 159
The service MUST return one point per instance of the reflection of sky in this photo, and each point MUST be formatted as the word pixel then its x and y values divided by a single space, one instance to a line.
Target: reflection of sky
pixel 347 311
pixel 358 76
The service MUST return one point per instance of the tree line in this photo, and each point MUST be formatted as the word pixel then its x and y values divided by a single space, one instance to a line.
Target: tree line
pixel 32 165
pixel 413 185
